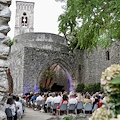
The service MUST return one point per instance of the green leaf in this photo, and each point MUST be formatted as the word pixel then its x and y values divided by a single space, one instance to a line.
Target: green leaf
pixel 115 81
pixel 88 24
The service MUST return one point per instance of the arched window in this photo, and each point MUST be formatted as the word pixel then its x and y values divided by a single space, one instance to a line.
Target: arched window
pixel 24 20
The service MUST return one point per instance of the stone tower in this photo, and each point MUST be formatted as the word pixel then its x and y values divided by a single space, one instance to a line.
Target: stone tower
pixel 24 17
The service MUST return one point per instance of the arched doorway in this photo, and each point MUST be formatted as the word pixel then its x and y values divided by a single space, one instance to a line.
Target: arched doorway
pixel 56 78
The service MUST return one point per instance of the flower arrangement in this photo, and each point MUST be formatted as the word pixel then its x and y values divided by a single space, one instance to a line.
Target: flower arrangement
pixel 101 114
pixel 110 73
pixel 110 81
pixel 118 118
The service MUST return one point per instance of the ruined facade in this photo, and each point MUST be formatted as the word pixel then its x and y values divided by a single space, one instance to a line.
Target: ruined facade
pixel 33 53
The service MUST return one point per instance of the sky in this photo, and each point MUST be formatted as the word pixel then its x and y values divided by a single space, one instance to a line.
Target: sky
pixel 46 14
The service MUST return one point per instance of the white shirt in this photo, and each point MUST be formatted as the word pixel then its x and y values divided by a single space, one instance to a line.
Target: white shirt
pixel 60 98
pixel 56 100
pixel 49 99
pixel 39 98
pixel 72 101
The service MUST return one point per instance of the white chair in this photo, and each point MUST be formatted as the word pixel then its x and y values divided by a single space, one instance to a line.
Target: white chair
pixel 95 107
pixel 88 107
pixel 63 107
pixel 54 107
pixel 71 107
pixel 79 106
pixel 48 107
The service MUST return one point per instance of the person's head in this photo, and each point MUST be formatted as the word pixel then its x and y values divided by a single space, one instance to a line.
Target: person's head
pixel 59 94
pixel 50 94
pixel 96 97
pixel 82 94
pixel 10 101
pixel 14 97
pixel 56 94
pixel 72 96
pixel 65 97
pixel 17 98
pixel 87 97
pixel 101 97
pixel 75 95
pixel 53 94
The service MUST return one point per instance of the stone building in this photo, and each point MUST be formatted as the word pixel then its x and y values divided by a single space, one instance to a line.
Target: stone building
pixel 33 53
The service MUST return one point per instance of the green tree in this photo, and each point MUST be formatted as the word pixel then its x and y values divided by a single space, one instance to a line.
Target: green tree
pixel 87 24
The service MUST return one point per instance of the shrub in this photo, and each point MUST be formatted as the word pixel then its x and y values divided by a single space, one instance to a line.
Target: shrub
pixel 91 88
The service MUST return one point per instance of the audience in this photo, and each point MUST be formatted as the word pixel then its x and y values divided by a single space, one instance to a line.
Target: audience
pixel 18 104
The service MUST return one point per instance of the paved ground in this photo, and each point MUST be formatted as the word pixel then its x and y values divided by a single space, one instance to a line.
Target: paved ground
pixel 30 114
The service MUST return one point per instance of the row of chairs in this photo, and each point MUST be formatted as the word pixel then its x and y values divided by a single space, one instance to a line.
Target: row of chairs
pixel 72 107
pixel 76 108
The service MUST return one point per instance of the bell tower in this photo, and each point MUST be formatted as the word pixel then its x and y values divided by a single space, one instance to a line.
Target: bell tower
pixel 24 17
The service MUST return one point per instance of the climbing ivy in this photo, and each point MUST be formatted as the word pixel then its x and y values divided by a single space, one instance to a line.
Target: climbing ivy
pixel 11 42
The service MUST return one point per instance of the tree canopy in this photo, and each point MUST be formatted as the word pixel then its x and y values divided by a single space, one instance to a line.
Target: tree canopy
pixel 90 23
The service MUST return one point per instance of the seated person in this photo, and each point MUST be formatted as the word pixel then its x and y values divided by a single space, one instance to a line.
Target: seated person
pixel 72 100
pixel 64 101
pixel 100 102
pixel 86 100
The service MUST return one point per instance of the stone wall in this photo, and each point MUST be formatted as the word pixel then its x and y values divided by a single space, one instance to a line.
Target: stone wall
pixel 4 50
pixel 38 60
pixel 29 60
pixel 16 66
pixel 93 64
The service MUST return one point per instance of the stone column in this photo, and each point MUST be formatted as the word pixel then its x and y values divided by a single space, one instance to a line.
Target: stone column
pixel 4 51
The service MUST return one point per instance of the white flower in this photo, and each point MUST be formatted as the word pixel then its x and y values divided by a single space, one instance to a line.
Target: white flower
pixel 108 78
pixel 103 82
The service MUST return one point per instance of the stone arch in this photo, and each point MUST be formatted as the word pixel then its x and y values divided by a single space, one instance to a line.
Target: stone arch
pixel 67 69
